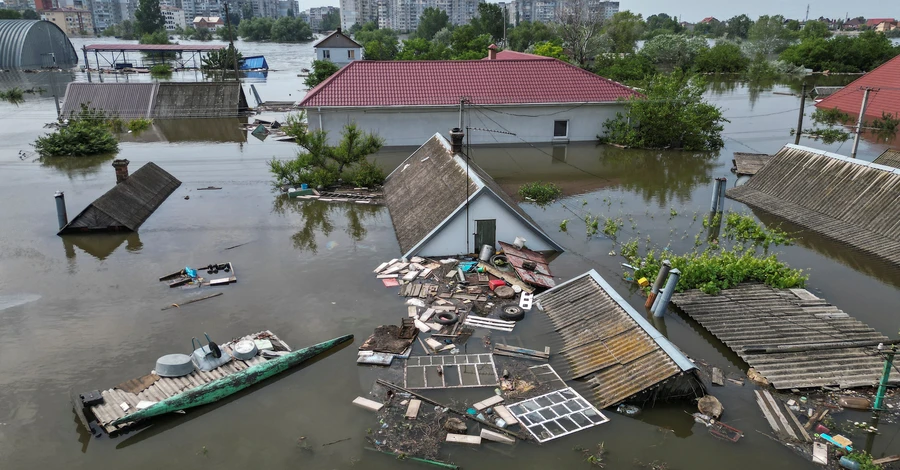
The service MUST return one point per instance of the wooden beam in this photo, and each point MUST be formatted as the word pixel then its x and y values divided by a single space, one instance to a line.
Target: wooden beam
pixel 797 423
pixel 507 277
pixel 413 409
pixel 464 439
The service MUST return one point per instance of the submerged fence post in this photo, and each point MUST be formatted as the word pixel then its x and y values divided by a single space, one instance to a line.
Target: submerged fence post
pixel 61 215
pixel 723 185
pixel 667 292
pixel 718 196
pixel 885 376
pixel 660 278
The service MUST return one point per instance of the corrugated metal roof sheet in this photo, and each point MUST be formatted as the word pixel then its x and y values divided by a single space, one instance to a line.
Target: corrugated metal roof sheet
pixel 607 340
pixel 166 100
pixel 22 42
pixel 365 83
pixel 125 100
pixel 153 47
pixel 128 204
pixel 884 98
pixel 760 316
pixel 890 157
pixel 254 62
pixel 845 199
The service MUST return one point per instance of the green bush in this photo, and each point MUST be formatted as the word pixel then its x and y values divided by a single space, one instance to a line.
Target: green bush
pixel 139 124
pixel 87 133
pixel 630 69
pixel 724 57
pixel 366 174
pixel 13 95
pixel 540 192
pixel 842 53
pixel 161 70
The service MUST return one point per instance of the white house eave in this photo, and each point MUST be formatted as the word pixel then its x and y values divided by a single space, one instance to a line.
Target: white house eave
pixel 527 222
pixel 456 106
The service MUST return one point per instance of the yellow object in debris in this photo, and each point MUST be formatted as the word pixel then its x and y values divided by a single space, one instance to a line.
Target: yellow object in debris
pixel 643 282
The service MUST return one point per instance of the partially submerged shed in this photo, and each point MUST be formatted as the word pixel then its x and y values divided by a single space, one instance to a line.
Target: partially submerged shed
pixel 606 341
pixel 749 164
pixel 790 336
pixel 442 203
pixel 165 100
pixel 128 204
pixel 28 44
pixel 848 200
pixel 890 157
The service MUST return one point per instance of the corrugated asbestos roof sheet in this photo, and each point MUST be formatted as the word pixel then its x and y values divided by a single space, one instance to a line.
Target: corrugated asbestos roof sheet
pixel 757 315
pixel 884 98
pixel 848 200
pixel 431 185
pixel 22 42
pixel 749 163
pixel 157 99
pixel 337 39
pixel 890 157
pixel 366 83
pixel 607 340
pixel 128 204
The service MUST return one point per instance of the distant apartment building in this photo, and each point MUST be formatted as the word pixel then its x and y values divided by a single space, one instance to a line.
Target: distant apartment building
pixel 72 21
pixel 174 18
pixel 314 16
pixel 288 8
pixel 545 11
pixel 105 13
pixel 403 15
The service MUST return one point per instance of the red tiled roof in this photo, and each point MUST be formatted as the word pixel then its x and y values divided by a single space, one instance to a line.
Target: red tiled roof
pixel 513 55
pixel 885 78
pixel 877 21
pixel 708 19
pixel 365 83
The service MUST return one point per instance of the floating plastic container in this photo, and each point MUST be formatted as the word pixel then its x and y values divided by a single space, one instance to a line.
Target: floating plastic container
pixel 304 186
pixel 486 252
pixel 174 365
pixel 519 242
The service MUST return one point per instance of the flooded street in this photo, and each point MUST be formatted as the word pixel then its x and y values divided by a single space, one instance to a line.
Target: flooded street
pixel 84 313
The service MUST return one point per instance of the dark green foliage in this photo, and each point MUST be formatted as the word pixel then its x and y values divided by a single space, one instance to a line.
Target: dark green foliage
pixel 842 54
pixel 490 21
pixel 13 95
pixel 321 69
pixel 527 34
pixel 161 70
pixel 246 11
pixel 87 133
pixel 724 57
pixel 814 29
pixel 432 21
pixel 366 174
pixel 30 14
pixel 713 29
pixel 550 49
pixel 123 30
pixel 201 34
pixel 149 19
pixel 467 44
pixel 540 192
pixel 738 27
pixel 769 36
pixel 331 21
pixel 256 29
pixel 830 117
pixel 158 37
pixel 623 31
pixel 6 14
pixel 222 59
pixel 674 50
pixel 662 24
pixel 631 69
pixel 422 49
pixel 673 114
pixel 288 29
pixel 378 44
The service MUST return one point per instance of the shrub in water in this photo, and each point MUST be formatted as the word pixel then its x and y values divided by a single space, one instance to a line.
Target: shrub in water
pixel 87 133
pixel 540 192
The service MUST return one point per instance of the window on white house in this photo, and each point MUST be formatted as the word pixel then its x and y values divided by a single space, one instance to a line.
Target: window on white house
pixel 351 54
pixel 560 129
pixel 326 54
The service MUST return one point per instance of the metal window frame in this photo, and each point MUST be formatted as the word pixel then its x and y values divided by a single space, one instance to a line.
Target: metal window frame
pixel 522 416
pixel 468 360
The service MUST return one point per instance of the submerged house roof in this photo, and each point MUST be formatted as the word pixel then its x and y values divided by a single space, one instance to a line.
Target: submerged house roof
pixel 884 97
pixel 890 157
pixel 848 200
pixel 607 341
pixel 375 83
pixel 337 39
pixel 173 100
pixel 430 187
pixel 128 204
pixel 791 324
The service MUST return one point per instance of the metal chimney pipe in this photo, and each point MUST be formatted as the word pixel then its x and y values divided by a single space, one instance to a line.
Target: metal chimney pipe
pixel 667 292
pixel 61 215
pixel 456 140
pixel 660 278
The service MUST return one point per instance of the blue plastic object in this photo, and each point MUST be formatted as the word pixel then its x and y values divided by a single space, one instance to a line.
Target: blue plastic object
pixel 837 444
pixel 467 265
pixel 254 62
pixel 849 464
pixel 304 187
pixel 190 272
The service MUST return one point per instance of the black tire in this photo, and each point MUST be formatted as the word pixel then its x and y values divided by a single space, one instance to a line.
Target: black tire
pixel 215 350
pixel 446 318
pixel 512 312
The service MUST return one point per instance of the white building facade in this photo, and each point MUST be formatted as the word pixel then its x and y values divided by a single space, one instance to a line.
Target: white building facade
pixel 338 48
pixel 403 15
pixel 174 18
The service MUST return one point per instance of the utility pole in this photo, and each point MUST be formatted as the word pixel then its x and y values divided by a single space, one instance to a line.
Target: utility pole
pixel 859 122
pixel 885 376
pixel 231 41
pixel 800 118
pixel 505 20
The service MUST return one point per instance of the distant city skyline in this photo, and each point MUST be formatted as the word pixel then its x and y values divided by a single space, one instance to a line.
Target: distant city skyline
pixel 696 10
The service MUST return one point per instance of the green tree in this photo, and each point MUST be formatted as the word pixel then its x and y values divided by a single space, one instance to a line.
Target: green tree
pixel 814 29
pixel 630 69
pixel 671 114
pixel 579 26
pixel 792 25
pixel 738 27
pixel 246 11
pixel 662 24
pixel 842 54
pixel 712 29
pixel 550 49
pixel 148 17
pixel 331 21
pixel 378 44
pixel 256 29
pixel 30 14
pixel 158 37
pixel 287 29
pixel 674 50
pixel 724 57
pixel 422 49
pixel 623 31
pixel 467 44
pixel 432 21
pixel 321 69
pixel 444 37
pixel 769 36
pixel 490 20
pixel 6 14
pixel 527 34
pixel 87 133
pixel 222 59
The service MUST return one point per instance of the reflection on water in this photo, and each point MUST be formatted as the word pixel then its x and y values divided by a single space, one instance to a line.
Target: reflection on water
pixel 77 166
pixel 190 130
pixel 317 219
pixel 661 176
pixel 100 245
pixel 45 81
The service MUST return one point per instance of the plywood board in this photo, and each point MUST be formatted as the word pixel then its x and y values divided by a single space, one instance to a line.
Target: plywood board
pixel 464 439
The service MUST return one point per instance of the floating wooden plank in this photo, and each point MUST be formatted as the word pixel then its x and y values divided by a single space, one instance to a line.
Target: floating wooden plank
pixel 796 422
pixel 387 276
pixel 412 311
pixel 381 267
pixel 749 163
pixel 488 402
pixel 427 315
pixel 435 344
pixel 506 277
pixel 782 422
pixel 886 460
pixel 395 268
pixel 496 437
pixel 766 412
pixel 410 275
pixel 375 358
pixel 463 439
pixel 718 378
pixel 370 405
pixel 421 326
pixel 504 414
pixel 535 354
pixel 413 409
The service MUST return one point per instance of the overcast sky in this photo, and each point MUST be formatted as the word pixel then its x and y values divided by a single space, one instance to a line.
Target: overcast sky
pixel 696 10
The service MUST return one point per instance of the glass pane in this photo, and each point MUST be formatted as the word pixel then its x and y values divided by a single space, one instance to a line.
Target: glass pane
pixel 560 128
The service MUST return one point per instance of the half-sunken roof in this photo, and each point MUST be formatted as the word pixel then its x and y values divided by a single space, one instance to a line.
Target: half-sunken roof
pixel 165 100
pixel 337 39
pixel 845 199
pixel 431 185
pixel 607 340
pixel 890 157
pixel 128 204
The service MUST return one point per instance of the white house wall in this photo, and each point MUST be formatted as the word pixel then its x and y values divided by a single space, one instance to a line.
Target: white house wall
pixel 451 238
pixel 339 55
pixel 412 126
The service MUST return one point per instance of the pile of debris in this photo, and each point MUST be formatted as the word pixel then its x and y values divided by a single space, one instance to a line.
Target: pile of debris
pixel 189 278
pixel 262 129
pixel 348 194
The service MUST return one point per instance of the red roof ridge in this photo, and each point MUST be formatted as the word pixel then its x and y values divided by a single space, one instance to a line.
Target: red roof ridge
pixel 316 89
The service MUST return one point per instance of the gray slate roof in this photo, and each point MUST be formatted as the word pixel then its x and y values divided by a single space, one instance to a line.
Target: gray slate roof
pixel 337 39
pixel 128 204
pixel 848 200
pixel 167 100
pixel 431 184
pixel 890 157
pixel 606 339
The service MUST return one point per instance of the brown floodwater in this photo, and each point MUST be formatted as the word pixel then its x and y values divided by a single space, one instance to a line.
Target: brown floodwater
pixel 82 313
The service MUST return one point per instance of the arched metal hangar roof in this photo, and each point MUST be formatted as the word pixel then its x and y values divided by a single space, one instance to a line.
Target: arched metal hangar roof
pixel 23 41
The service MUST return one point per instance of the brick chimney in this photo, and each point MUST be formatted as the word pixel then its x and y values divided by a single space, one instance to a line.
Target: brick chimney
pixel 456 140
pixel 121 167
pixel 492 52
